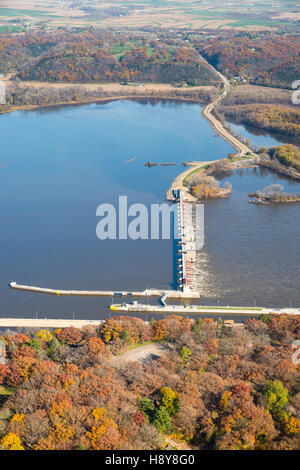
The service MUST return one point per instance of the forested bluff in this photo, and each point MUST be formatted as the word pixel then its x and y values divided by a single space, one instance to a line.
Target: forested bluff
pixel 261 67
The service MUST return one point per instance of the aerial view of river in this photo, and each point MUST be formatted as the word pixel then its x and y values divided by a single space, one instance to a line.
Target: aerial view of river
pixel 58 164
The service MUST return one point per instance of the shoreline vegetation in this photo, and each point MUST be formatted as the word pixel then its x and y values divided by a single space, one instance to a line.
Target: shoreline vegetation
pixel 269 109
pixel 284 159
pixel 257 90
pixel 273 194
pixel 29 95
pixel 203 184
pixel 274 199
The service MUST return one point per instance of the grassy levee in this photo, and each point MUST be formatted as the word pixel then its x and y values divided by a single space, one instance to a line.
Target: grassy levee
pixel 196 170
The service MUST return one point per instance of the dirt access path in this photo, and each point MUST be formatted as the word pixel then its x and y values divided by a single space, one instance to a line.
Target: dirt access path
pixel 142 354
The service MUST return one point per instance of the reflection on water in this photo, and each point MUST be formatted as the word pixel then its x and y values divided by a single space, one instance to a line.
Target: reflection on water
pixel 262 138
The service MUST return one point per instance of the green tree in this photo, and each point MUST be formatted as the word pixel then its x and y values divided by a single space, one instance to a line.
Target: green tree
pixel 53 350
pixel 197 326
pixel 276 396
pixel 147 408
pixel 265 317
pixel 162 420
pixel 35 344
pixel 126 336
pixel 220 326
pixel 185 354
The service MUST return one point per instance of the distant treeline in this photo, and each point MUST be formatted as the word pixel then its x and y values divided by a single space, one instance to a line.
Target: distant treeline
pixel 264 108
pixel 263 58
pixel 279 119
pixel 288 155
pixel 21 95
pixel 101 56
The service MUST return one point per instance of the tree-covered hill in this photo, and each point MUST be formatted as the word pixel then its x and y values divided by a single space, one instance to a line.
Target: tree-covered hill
pixel 214 388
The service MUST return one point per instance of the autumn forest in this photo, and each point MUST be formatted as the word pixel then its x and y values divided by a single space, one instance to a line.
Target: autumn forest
pixel 216 387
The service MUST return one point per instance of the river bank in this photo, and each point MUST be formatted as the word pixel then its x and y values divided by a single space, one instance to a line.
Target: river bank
pixel 207 95
pixel 279 168
pixel 105 99
pixel 39 95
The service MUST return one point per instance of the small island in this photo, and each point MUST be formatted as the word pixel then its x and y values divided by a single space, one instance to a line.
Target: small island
pixel 273 194
pixel 204 184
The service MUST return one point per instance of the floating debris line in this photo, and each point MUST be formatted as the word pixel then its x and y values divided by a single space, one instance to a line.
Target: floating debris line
pixel 150 164
pixel 130 160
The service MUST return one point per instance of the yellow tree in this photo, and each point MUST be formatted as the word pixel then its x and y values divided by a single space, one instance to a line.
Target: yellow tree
pixel 11 442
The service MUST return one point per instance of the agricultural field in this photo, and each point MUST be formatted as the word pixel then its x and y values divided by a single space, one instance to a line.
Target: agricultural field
pixel 256 15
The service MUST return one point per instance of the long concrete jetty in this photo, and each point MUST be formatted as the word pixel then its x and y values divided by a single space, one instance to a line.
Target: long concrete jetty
pixel 46 323
pixel 174 294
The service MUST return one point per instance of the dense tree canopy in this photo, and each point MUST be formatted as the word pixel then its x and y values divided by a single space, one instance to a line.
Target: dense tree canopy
pixel 265 58
pixel 214 388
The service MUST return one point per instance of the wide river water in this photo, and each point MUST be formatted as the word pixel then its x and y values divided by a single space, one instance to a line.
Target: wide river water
pixel 58 164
